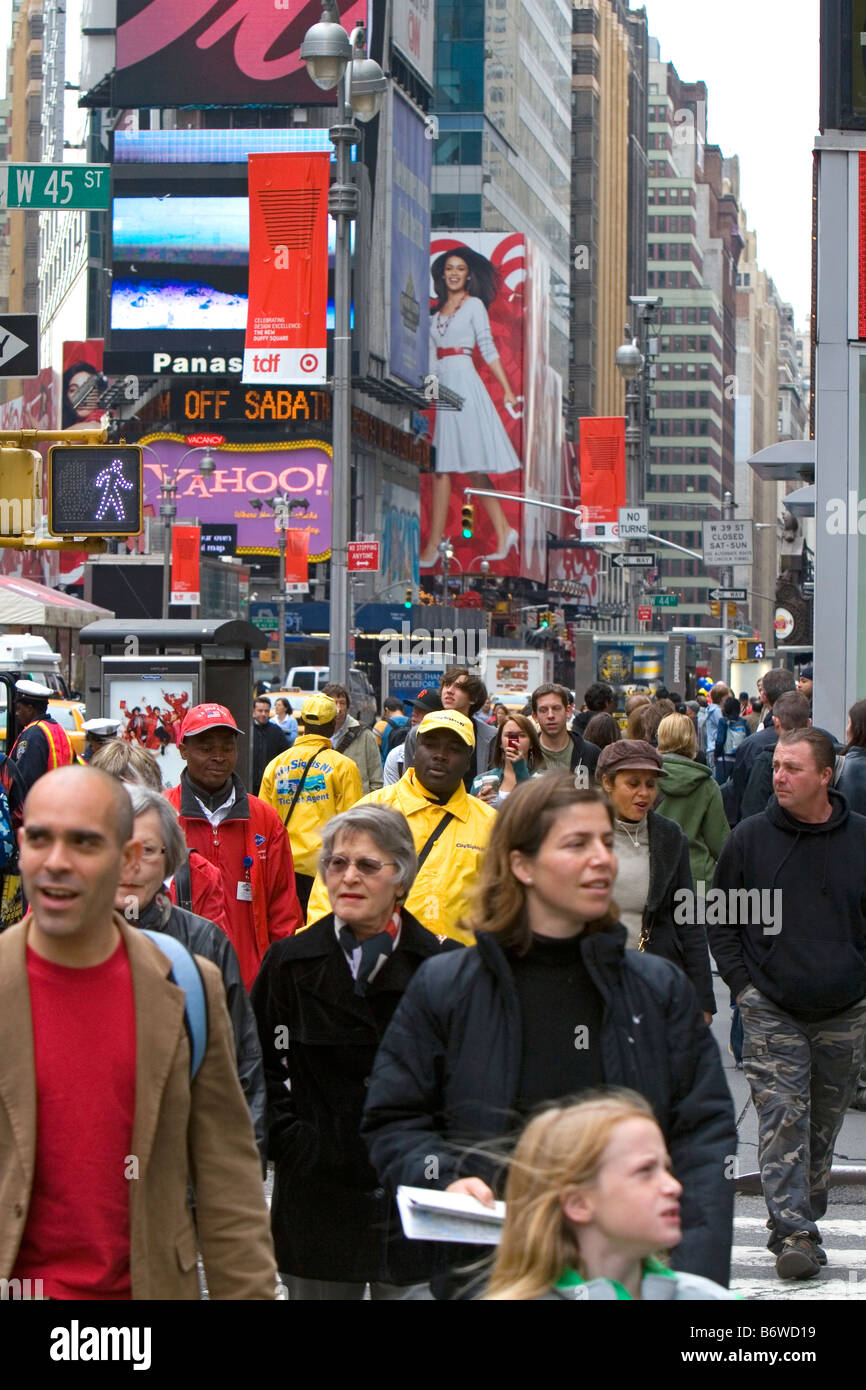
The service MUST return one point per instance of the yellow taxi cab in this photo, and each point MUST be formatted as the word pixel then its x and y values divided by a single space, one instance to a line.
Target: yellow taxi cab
pixel 70 716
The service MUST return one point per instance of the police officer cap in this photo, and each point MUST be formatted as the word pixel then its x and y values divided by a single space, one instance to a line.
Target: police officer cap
pixel 34 690
pixel 102 728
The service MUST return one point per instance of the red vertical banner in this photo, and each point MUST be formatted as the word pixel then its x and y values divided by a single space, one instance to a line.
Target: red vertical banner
pixel 286 338
pixel 602 474
pixel 297 556
pixel 186 564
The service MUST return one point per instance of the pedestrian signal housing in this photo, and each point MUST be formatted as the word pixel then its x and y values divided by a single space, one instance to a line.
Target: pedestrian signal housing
pixel 95 490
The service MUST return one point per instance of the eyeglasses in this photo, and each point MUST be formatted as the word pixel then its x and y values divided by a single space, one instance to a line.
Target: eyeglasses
pixel 367 868
pixel 151 852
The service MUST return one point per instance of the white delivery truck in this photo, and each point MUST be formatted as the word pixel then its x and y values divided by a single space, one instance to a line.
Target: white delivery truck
pixel 512 673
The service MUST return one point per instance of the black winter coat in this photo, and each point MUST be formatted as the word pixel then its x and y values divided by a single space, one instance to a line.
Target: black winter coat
pixel 446 1077
pixel 330 1217
pixel 852 779
pixel 269 742
pixel 203 938
pixel 684 944
pixel 759 787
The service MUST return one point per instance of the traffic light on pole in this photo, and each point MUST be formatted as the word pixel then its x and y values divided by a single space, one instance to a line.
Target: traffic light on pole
pixel 544 619
pixel 468 520
pixel 407 602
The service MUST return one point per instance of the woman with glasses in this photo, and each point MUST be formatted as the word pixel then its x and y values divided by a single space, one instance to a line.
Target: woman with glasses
pixel 143 898
pixel 323 1000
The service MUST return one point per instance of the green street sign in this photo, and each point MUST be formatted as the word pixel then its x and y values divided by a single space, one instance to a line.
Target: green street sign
pixel 664 600
pixel 48 187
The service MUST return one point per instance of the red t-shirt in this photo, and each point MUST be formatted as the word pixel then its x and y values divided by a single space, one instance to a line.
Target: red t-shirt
pixel 77 1234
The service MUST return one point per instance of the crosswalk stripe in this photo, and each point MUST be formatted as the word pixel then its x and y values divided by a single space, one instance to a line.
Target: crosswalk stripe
pixel 835 1226
pixel 760 1255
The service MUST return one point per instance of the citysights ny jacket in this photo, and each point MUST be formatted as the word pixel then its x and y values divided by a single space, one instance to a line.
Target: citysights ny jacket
pixel 447 1072
pixel 332 785
pixel 442 890
pixel 254 858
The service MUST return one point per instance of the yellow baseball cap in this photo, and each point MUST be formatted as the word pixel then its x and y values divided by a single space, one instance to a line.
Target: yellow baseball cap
pixel 449 719
pixel 318 709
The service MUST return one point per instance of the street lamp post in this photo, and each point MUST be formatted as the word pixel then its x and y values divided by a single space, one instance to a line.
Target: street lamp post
pixel 168 507
pixel 334 60
pixel 282 505
pixel 630 364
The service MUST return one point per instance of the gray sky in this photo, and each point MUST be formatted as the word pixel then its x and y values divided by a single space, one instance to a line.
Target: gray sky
pixel 760 64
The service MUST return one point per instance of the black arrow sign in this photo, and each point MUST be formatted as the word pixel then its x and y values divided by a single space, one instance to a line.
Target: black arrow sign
pixel 641 560
pixel 729 595
pixel 19 345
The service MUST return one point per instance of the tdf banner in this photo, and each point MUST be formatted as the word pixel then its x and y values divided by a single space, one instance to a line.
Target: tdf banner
pixel 286 335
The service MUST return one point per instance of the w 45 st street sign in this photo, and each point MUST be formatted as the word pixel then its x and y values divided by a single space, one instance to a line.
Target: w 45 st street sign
pixel 48 187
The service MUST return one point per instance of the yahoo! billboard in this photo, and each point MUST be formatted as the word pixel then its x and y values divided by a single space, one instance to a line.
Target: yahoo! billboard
pixel 236 52
pixel 242 474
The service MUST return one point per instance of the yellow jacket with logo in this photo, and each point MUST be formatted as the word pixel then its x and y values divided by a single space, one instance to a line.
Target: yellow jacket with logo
pixel 442 891
pixel 332 785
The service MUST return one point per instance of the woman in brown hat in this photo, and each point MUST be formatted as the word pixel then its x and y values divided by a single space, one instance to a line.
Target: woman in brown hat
pixel 653 890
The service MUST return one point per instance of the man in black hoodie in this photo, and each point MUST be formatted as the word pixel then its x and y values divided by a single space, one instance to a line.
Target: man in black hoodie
pixel 789 937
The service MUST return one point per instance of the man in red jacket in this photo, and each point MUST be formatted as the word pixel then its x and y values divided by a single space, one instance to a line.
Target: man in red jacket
pixel 239 834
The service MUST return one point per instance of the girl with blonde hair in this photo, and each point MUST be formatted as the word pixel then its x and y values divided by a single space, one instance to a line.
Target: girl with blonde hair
pixel 591 1201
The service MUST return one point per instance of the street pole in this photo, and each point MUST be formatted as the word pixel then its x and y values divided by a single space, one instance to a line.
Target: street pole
pixel 281 600
pixel 168 512
pixel 343 207
pixel 727 580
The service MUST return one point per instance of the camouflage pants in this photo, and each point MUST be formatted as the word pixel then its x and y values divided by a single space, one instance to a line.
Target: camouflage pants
pixel 803 1077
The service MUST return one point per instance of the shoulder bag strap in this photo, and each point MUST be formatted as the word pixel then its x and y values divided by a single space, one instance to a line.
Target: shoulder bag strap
pixel 448 816
pixel 300 787
pixel 183 886
pixel 185 974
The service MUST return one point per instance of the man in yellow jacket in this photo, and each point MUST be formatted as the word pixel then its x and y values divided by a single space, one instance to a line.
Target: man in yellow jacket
pixel 307 785
pixel 450 828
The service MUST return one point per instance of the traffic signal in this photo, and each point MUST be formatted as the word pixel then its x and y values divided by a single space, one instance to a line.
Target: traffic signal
pixel 468 520
pixel 95 490
pixel 544 618
pixel 715 608
pixel 407 602
pixel 20 491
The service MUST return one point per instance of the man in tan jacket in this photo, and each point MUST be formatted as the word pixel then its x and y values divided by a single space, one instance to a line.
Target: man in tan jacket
pixel 102 1130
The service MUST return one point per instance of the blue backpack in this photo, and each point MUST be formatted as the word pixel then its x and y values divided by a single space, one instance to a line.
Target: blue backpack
pixel 185 974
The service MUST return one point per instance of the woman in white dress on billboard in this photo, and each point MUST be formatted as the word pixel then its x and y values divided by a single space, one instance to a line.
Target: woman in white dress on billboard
pixel 471 441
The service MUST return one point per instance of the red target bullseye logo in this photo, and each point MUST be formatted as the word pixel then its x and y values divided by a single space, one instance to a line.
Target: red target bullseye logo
pixel 309 362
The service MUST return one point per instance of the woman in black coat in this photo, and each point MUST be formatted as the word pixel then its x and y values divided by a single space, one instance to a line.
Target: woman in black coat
pixel 654 891
pixel 548 1004
pixel 852 779
pixel 323 1000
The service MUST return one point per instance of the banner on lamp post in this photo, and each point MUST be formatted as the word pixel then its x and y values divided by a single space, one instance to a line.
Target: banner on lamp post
pixel 186 564
pixel 297 555
pixel 286 338
pixel 602 476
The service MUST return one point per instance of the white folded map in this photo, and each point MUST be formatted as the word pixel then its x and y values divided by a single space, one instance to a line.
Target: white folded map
pixel 454 1216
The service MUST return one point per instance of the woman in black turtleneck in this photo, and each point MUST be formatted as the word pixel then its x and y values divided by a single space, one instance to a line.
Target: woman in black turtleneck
pixel 548 1004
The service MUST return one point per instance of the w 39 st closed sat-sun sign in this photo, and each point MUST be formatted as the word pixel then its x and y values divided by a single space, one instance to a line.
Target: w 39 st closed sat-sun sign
pixel 727 543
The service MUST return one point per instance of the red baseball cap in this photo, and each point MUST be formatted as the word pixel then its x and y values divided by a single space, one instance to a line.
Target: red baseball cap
pixel 203 717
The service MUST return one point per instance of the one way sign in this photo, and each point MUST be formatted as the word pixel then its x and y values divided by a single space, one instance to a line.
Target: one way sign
pixel 19 345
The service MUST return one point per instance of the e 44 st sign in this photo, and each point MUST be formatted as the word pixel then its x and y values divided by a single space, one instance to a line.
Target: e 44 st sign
pixel 46 187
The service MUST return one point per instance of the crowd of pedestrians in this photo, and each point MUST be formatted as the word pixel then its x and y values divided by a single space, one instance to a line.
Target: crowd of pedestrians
pixel 454 952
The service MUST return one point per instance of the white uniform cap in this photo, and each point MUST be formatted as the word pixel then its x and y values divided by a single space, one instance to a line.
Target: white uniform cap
pixel 41 692
pixel 104 728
